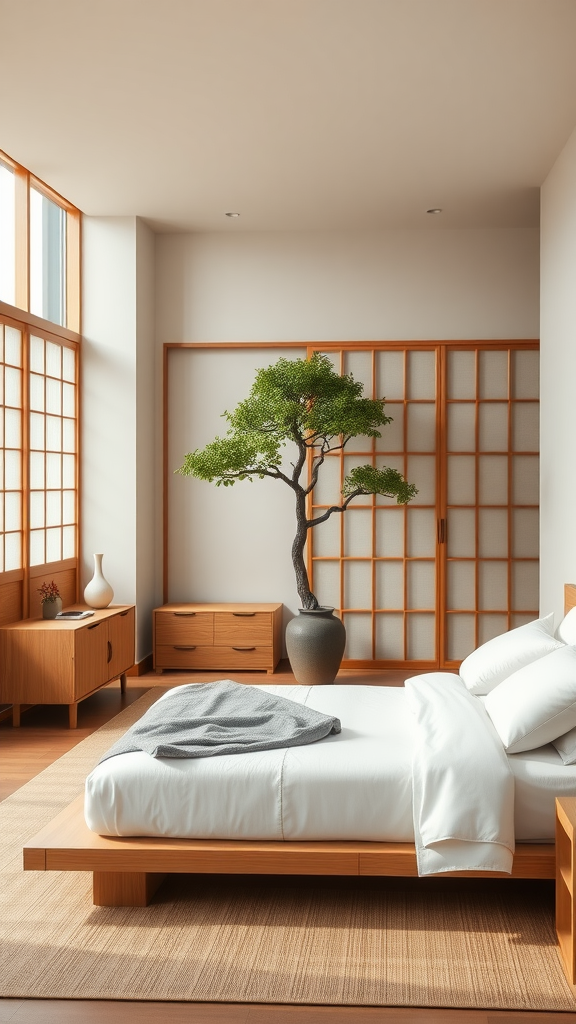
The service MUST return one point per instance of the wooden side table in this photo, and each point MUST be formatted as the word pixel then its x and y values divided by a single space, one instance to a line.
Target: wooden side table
pixel 565 883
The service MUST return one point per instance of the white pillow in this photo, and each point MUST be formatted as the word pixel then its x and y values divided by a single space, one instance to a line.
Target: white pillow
pixel 566 631
pixel 566 746
pixel 497 659
pixel 537 704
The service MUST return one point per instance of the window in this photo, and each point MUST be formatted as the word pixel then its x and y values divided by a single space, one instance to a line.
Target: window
pixel 39 373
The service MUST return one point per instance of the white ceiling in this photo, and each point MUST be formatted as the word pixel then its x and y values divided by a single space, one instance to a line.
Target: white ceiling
pixel 299 114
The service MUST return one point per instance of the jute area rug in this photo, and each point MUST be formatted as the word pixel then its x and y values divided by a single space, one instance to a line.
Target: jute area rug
pixel 383 942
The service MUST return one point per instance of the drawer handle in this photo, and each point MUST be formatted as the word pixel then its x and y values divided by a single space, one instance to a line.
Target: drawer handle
pixel 243 648
pixel 244 615
pixel 122 614
pixel 109 652
pixel 184 647
pixel 94 625
pixel 184 613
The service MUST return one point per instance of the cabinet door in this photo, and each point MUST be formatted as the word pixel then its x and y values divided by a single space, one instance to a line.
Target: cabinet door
pixel 91 657
pixel 120 637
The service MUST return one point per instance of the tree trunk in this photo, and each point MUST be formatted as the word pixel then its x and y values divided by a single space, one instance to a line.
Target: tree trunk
pixel 302 583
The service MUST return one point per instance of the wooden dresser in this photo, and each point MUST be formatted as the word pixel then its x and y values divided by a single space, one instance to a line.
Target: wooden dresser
pixel 218 636
pixel 59 661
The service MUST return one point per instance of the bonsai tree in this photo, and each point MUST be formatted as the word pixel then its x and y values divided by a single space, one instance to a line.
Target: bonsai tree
pixel 307 403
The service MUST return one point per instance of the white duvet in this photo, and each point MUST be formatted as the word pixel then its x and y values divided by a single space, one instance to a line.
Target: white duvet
pixel 416 764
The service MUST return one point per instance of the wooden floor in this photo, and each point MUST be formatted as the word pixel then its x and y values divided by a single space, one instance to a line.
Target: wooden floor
pixel 44 736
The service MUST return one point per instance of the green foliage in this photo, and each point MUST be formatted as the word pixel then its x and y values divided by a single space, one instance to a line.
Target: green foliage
pixel 389 482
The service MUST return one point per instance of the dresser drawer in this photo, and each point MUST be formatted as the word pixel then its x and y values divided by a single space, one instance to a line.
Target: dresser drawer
pixel 184 628
pixel 216 658
pixel 242 628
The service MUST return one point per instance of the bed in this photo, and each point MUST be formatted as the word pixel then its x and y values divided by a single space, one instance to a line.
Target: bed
pixel 128 868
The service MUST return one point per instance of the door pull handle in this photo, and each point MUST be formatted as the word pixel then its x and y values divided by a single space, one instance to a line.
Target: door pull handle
pixel 184 614
pixel 109 652
pixel 243 648
pixel 184 647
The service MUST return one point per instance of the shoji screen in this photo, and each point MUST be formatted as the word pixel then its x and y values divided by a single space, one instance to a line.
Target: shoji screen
pixel 491 544
pixel 377 562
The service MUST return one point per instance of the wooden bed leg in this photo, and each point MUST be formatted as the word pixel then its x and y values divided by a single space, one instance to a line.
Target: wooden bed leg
pixel 72 716
pixel 124 888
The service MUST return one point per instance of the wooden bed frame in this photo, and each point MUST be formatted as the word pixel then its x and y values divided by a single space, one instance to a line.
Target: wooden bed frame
pixel 127 871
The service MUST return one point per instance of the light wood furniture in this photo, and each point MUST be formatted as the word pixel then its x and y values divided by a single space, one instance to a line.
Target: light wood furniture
pixel 48 661
pixel 126 872
pixel 565 884
pixel 134 867
pixel 217 636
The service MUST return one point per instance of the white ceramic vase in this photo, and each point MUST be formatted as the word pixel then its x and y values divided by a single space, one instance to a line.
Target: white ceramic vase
pixel 98 593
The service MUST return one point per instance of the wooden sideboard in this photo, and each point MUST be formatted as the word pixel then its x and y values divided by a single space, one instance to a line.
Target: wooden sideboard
pixel 59 661
pixel 218 636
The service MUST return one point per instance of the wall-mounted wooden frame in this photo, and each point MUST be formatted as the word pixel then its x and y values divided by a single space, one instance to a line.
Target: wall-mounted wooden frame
pixel 439 404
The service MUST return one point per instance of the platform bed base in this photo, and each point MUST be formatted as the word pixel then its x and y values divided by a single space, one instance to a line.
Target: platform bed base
pixel 127 872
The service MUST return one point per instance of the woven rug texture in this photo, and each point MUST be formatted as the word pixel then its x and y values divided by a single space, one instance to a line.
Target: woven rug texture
pixel 371 942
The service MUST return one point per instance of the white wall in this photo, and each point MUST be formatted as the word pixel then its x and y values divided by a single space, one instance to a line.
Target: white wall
pixel 558 380
pixel 432 284
pixel 118 412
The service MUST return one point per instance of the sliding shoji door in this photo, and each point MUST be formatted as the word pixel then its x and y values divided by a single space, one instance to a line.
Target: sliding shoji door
pixel 377 563
pixel 490 539
pixel 422 585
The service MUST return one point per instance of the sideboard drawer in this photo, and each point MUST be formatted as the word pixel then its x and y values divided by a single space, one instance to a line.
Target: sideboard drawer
pixel 214 658
pixel 184 628
pixel 244 628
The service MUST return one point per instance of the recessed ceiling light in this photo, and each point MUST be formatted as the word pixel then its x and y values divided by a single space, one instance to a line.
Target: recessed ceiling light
pixel 232 214
pixel 435 210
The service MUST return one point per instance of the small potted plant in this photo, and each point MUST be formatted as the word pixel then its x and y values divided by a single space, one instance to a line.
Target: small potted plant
pixel 50 599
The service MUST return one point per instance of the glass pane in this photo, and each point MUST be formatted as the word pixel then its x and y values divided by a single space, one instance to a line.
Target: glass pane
pixel 525 479
pixel 493 586
pixel 392 462
pixel 389 585
pixel 327 490
pixel 7 235
pixel 69 507
pixel 325 537
pixel 421 580
pixel 36 354
pixel 493 479
pixel 69 542
pixel 53 470
pixel 12 510
pixel 461 427
pixel 68 435
pixel 53 508
pixel 53 433
pixel 12 346
pixel 37 431
pixel 12 428
pixel 327 583
pixel 36 470
pixel 359 364
pixel 460 636
pixel 334 358
pixel 461 480
pixel 390 375
pixel 13 387
pixel 69 472
pixel 525 585
pixel 493 373
pixel 421 532
pixel 389 629
pixel 461 533
pixel 490 626
pixel 421 434
pixel 357 584
pixel 526 374
pixel 12 551
pixel 461 585
pixel 422 473
pixel 525 533
pixel 493 533
pixel 12 470
pixel 421 375
pixel 493 427
pixel 54 545
pixel 69 365
pixel 462 375
pixel 421 637
pixel 358 637
pixel 358 532
pixel 36 392
pixel 525 427
pixel 389 532
pixel 37 518
pixel 47 258
pixel 53 360
pixel 37 548
pixel 392 439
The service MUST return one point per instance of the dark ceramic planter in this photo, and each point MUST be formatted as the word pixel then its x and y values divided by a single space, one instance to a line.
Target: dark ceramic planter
pixel 315 641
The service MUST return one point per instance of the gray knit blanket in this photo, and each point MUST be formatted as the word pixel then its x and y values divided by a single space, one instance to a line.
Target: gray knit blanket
pixel 207 719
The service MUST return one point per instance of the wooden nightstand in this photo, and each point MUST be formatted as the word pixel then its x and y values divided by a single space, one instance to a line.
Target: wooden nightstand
pixel 565 878
pixel 218 636
pixel 59 661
